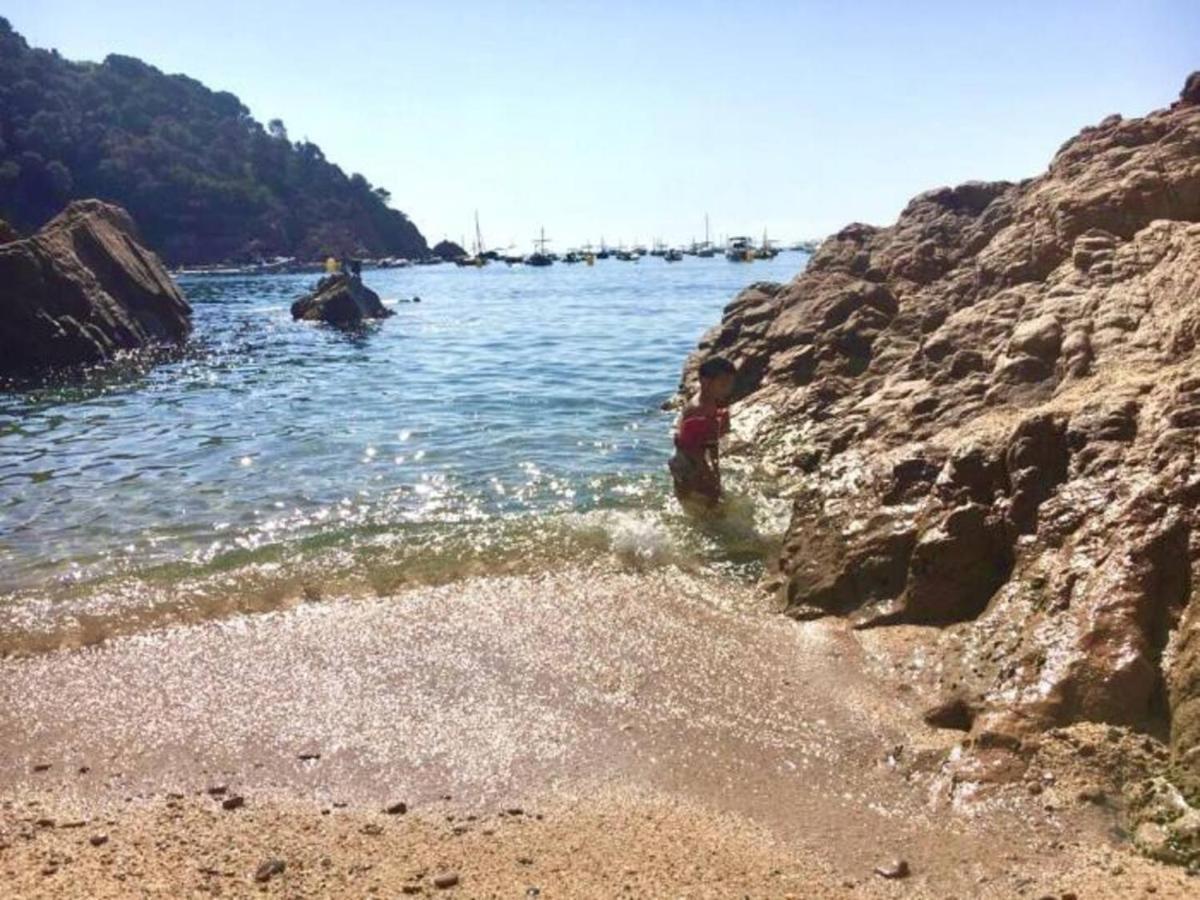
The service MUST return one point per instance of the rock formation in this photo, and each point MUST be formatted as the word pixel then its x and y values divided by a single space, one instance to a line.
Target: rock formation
pixel 340 300
pixel 448 251
pixel 81 290
pixel 987 415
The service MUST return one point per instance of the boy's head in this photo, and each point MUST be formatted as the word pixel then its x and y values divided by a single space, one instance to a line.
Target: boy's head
pixel 717 375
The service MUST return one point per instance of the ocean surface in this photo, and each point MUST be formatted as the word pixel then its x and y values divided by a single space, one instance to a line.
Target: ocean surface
pixel 509 421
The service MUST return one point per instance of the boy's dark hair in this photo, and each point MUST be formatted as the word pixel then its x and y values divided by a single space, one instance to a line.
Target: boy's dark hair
pixel 716 365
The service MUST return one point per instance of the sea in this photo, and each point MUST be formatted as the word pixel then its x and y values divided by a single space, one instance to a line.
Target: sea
pixel 505 420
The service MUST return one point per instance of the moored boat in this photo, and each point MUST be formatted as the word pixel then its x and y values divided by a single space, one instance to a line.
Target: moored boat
pixel 739 249
pixel 540 257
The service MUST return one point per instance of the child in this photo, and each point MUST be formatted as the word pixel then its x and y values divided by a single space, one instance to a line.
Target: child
pixel 695 467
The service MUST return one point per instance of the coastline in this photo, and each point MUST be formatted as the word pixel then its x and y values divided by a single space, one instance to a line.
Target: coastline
pixel 659 722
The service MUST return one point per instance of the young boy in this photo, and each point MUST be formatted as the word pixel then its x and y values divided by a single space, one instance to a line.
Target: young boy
pixel 695 467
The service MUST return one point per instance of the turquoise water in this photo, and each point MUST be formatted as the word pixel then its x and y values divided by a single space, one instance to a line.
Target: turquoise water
pixel 510 420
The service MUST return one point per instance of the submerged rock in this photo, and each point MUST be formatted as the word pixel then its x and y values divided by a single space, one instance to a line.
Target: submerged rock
pixel 340 300
pixel 81 290
pixel 988 416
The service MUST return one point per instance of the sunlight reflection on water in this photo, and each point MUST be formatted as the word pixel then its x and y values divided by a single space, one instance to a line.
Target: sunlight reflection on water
pixel 511 419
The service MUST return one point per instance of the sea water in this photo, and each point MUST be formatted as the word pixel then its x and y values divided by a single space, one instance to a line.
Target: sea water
pixel 511 420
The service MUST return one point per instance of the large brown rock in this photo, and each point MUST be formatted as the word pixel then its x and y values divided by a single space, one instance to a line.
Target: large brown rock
pixel 988 416
pixel 340 300
pixel 82 290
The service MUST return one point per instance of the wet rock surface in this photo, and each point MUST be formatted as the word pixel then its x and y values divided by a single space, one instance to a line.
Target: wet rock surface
pixel 341 300
pixel 82 290
pixel 987 417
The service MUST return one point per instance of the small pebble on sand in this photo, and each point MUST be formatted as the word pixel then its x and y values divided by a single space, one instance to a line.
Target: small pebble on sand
pixel 897 868
pixel 445 880
pixel 268 869
pixel 398 808
pixel 234 802
pixel 98 840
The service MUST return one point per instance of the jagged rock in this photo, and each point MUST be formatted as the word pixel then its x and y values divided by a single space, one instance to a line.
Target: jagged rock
pixel 1191 89
pixel 988 416
pixel 340 300
pixel 7 233
pixel 83 289
pixel 1166 826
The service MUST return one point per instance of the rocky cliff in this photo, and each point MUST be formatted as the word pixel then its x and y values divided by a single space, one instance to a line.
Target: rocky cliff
pixel 987 417
pixel 83 289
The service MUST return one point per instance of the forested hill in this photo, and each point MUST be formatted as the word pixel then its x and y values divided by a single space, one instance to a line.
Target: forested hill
pixel 204 181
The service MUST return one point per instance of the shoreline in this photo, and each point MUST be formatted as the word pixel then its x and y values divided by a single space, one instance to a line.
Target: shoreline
pixel 756 743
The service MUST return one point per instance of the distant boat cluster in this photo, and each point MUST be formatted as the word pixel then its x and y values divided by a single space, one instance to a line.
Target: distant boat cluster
pixel 735 249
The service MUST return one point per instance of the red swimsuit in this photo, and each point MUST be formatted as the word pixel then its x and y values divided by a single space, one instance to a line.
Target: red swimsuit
pixel 698 432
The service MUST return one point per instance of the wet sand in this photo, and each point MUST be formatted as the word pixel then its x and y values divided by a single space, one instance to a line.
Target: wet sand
pixel 656 743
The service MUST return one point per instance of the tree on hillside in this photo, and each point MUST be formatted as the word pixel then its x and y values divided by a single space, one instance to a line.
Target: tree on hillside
pixel 204 180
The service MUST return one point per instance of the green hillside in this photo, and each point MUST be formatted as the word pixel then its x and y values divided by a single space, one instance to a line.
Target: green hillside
pixel 204 180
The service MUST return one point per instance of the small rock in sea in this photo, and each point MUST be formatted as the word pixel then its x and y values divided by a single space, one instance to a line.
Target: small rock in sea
pixel 897 868
pixel 98 840
pixel 235 802
pixel 398 808
pixel 445 880
pixel 217 790
pixel 268 869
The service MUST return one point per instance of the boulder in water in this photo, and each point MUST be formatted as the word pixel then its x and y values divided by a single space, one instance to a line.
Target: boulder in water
pixel 340 300
pixel 81 290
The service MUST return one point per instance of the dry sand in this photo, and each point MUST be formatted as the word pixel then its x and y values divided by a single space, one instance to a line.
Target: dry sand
pixel 656 743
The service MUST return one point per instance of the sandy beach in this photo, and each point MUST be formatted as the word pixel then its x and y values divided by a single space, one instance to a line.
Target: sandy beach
pixel 580 734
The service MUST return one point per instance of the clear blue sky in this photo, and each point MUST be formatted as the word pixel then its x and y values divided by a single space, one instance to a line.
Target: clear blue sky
pixel 631 120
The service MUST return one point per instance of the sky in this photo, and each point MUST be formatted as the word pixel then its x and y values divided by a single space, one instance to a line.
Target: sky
pixel 633 120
